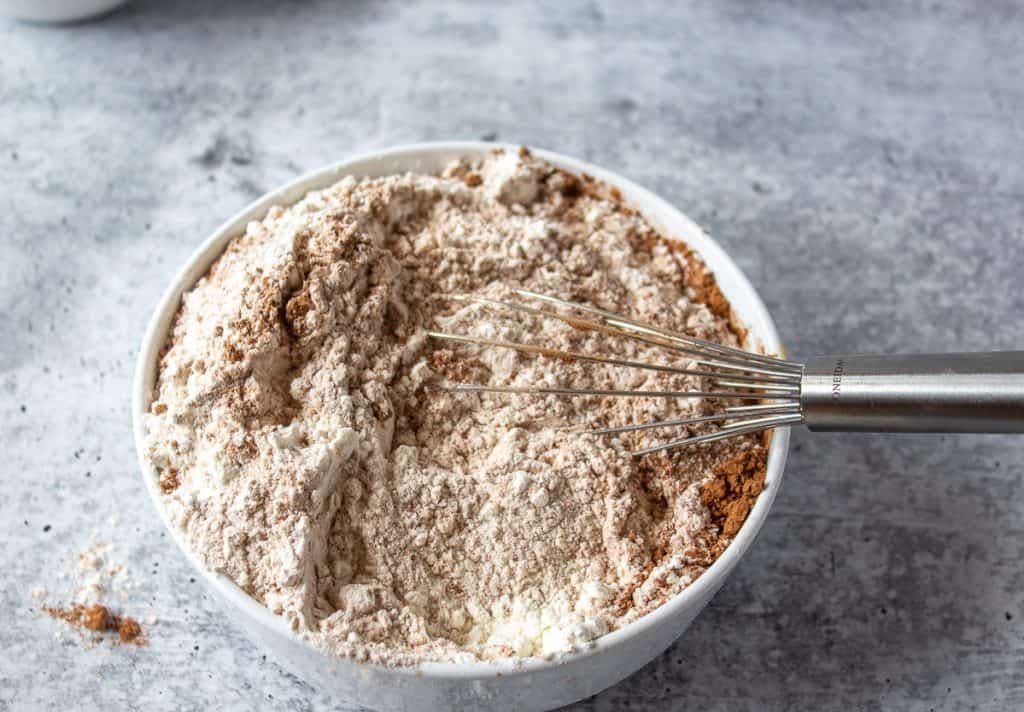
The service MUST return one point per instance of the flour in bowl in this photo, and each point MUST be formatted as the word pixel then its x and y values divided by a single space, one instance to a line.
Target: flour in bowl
pixel 307 447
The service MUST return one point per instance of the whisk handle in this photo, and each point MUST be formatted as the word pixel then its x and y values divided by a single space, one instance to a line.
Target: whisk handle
pixel 926 393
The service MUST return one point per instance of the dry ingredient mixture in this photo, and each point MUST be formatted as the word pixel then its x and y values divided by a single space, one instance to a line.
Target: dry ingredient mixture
pixel 305 445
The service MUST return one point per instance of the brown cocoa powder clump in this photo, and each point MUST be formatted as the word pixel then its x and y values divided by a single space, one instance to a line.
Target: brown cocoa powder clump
pixel 98 618
pixel 95 617
pixel 129 631
pixel 168 481
pixel 731 495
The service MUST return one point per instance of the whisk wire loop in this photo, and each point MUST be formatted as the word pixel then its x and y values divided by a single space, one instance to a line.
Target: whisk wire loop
pixel 729 373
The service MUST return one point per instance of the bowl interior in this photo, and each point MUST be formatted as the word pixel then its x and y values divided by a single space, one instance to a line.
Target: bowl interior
pixel 431 158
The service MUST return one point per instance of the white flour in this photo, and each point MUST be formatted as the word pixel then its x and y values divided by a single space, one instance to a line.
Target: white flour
pixel 305 448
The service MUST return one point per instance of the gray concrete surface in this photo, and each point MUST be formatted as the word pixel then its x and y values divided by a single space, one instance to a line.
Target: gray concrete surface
pixel 863 164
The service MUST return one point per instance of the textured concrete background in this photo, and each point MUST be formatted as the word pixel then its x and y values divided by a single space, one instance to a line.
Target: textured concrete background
pixel 862 164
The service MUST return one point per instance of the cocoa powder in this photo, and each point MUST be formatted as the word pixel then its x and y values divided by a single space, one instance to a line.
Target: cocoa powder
pixel 97 618
pixel 733 492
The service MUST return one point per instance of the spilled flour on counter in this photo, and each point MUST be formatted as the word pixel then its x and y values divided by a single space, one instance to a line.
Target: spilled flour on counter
pixel 305 446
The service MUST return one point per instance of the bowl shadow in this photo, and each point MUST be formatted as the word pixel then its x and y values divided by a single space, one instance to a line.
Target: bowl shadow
pixel 191 12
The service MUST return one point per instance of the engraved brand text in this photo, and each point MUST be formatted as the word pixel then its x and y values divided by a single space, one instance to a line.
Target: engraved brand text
pixel 837 379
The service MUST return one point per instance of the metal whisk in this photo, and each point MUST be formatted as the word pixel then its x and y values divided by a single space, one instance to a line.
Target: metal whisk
pixel 957 392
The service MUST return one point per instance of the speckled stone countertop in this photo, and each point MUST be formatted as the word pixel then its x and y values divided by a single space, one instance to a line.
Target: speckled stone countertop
pixel 864 166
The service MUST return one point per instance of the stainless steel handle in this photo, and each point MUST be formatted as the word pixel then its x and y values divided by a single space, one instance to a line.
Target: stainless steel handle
pixel 934 393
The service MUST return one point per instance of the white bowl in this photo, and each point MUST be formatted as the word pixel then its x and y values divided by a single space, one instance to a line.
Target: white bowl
pixel 57 11
pixel 533 684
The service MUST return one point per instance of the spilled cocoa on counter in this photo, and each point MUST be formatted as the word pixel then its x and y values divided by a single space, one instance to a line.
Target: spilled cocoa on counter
pixel 99 619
